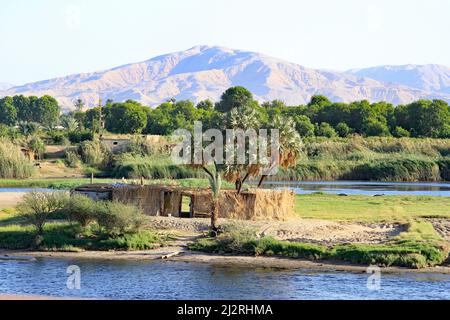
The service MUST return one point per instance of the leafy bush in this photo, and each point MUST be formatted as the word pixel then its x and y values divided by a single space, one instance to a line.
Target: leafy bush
pixel 36 207
pixel 13 163
pixel 343 130
pixel 325 130
pixel 81 209
pixel 58 138
pixel 79 136
pixel 399 132
pixel 118 218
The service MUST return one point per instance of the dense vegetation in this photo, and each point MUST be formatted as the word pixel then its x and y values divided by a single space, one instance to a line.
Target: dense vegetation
pixel 353 141
pixel 320 117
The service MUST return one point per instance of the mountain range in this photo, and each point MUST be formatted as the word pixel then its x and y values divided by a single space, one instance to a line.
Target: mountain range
pixel 205 72
pixel 5 86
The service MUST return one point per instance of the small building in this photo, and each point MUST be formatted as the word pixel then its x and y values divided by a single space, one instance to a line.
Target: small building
pixel 158 200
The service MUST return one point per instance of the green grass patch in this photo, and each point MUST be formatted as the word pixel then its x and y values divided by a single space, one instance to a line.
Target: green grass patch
pixel 64 236
pixel 370 209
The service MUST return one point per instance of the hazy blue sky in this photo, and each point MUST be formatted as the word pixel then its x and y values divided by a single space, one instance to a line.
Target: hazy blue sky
pixel 41 39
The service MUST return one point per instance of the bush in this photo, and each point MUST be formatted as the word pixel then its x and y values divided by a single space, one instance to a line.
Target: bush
pixel 399 132
pixel 82 209
pixel 72 159
pixel 376 128
pixel 37 146
pixel 79 136
pixel 117 218
pixel 140 146
pixel 36 207
pixel 444 169
pixel 304 126
pixel 95 154
pixel 325 130
pixel 58 138
pixel 343 130
pixel 13 163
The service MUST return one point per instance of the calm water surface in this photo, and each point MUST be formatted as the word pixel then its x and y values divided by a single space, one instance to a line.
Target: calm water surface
pixel 179 280
pixel 365 188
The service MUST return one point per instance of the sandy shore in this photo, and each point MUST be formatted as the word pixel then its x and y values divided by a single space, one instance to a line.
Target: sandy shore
pixel 10 199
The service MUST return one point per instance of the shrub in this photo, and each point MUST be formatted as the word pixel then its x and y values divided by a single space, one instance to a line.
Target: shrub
pixel 304 126
pixel 444 168
pixel 36 207
pixel 79 136
pixel 81 209
pixel 325 130
pixel 13 163
pixel 37 146
pixel 399 132
pixel 375 128
pixel 343 130
pixel 140 146
pixel 58 138
pixel 118 218
pixel 72 159
pixel 95 154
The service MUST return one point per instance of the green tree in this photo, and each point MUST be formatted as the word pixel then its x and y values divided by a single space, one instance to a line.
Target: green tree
pixel 375 128
pixel 8 113
pixel 127 117
pixel 325 130
pixel 304 126
pixel 343 130
pixel 46 111
pixel 235 97
pixel 206 105
pixel 23 107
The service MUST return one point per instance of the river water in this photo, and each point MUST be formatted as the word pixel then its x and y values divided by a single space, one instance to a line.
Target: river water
pixel 180 280
pixel 365 188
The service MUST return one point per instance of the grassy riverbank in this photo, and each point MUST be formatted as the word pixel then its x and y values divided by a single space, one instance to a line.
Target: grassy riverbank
pixel 65 184
pixel 418 247
pixel 373 159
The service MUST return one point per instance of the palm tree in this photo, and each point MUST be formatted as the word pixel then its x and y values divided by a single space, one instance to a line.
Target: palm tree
pixel 70 123
pixel 290 143
pixel 28 128
pixel 244 118
pixel 215 182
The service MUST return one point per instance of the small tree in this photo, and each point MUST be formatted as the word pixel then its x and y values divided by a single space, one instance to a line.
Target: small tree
pixel 36 207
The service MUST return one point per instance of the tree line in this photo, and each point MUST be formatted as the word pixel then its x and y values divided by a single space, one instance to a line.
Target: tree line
pixel 320 117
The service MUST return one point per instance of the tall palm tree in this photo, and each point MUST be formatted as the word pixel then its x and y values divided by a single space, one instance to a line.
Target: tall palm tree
pixel 290 143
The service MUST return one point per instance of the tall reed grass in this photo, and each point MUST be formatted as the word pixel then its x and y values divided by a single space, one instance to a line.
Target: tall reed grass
pixel 13 163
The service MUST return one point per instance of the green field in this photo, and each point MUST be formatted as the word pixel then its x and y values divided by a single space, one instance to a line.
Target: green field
pixel 366 208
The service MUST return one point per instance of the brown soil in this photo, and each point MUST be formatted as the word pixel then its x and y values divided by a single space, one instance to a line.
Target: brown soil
pixel 301 230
